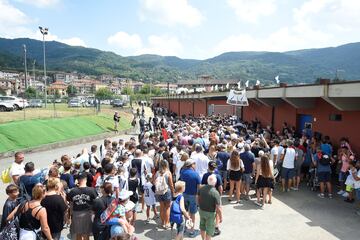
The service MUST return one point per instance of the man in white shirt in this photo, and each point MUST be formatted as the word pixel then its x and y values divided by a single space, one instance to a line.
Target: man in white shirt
pixel 287 172
pixel 94 158
pixel 148 161
pixel 17 167
pixel 201 161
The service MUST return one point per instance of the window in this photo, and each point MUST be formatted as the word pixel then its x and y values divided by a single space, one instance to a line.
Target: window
pixel 335 117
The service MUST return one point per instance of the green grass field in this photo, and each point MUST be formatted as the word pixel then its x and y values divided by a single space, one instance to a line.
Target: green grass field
pixel 30 133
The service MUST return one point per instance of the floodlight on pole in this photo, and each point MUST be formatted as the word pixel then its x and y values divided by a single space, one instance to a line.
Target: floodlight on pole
pixel 44 31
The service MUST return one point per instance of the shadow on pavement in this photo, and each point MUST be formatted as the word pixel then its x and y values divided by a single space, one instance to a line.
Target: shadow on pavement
pixel 333 215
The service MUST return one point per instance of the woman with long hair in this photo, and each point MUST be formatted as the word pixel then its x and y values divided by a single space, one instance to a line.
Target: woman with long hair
pixel 264 181
pixel 212 154
pixel 33 219
pixel 235 166
pixel 165 198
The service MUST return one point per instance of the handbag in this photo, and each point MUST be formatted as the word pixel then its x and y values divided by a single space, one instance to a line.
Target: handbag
pixel 11 230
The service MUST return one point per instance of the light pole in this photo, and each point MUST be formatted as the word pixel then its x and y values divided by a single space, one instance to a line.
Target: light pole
pixel 26 85
pixel 44 31
pixel 24 46
pixel 34 78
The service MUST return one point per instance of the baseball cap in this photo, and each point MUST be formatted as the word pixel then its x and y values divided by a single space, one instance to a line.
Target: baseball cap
pixel 189 162
pixel 125 194
pixel 212 165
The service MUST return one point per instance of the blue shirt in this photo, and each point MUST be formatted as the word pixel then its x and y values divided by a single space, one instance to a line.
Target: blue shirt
pixel 248 159
pixel 191 179
pixel 218 179
pixel 326 148
pixel 223 157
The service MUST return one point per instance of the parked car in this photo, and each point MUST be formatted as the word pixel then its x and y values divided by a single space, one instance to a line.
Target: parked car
pixel 74 103
pixel 58 100
pixel 35 103
pixel 6 106
pixel 118 103
pixel 18 103
pixel 105 102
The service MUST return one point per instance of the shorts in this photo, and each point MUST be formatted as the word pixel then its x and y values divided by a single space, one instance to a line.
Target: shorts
pixel 207 222
pixel 223 174
pixel 190 203
pixel 180 227
pixel 297 171
pixel 166 197
pixel 357 193
pixel 247 178
pixel 324 176
pixel 349 188
pixel 235 175
pixel 287 173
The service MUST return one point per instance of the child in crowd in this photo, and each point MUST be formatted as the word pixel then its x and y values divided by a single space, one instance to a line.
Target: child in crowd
pixel 123 181
pixel 11 202
pixel 350 183
pixel 149 196
pixel 133 186
pixel 116 213
pixel 177 210
pixel 355 172
pixel 89 176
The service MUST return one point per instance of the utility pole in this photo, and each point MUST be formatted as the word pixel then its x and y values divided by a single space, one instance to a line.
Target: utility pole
pixel 44 31
pixel 34 78
pixel 25 64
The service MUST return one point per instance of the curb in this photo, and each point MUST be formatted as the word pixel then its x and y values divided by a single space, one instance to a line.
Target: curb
pixel 66 143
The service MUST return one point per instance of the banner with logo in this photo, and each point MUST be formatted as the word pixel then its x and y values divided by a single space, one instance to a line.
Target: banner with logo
pixel 237 98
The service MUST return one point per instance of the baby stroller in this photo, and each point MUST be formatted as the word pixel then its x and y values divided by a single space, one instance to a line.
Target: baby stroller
pixel 313 182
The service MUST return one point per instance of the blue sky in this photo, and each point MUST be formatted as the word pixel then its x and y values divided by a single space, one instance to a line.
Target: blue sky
pixel 186 28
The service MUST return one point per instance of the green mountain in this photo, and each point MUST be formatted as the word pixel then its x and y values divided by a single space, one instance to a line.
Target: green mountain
pixel 299 66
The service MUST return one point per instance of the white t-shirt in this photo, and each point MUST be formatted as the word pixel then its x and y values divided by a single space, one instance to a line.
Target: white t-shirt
pixel 274 151
pixel 202 162
pixel 289 159
pixel 17 169
pixel 149 195
pixel 93 161
pixel 228 166
pixel 114 180
pixel 178 167
pixel 149 163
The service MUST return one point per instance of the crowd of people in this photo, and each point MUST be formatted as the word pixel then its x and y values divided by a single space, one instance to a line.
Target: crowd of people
pixel 176 168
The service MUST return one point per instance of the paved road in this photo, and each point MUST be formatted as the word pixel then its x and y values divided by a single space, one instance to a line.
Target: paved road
pixel 293 215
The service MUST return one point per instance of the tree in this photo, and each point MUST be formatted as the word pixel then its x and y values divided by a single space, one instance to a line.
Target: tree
pixel 71 90
pixel 57 94
pixel 127 91
pixel 103 93
pixel 30 92
pixel 155 91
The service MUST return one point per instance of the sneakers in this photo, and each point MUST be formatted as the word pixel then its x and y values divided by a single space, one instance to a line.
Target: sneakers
pixel 217 232
pixel 258 204
pixel 349 200
pixel 294 188
pixel 341 192
pixel 147 221
pixel 345 195
pixel 321 195
pixel 330 196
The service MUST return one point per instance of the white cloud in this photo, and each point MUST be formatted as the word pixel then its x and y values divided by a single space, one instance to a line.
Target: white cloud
pixel 170 12
pixel 12 20
pixel 74 41
pixel 132 44
pixel 252 10
pixel 316 23
pixel 124 40
pixel 162 45
pixel 40 3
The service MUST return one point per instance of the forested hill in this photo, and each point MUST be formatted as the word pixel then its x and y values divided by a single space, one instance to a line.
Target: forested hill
pixel 293 67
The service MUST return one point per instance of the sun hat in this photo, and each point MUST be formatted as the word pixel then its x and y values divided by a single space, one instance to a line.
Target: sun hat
pixel 125 194
pixel 189 162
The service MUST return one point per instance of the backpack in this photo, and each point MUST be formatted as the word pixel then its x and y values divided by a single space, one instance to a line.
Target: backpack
pixel 324 159
pixel 175 211
pixel 5 175
pixel 161 186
